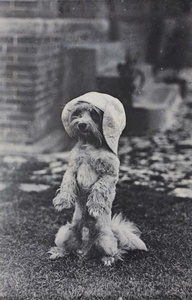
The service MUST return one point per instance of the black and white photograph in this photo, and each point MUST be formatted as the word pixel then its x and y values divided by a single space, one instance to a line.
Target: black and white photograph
pixel 95 149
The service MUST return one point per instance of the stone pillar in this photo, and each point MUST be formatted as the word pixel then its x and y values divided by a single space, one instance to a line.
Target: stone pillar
pixel 29 79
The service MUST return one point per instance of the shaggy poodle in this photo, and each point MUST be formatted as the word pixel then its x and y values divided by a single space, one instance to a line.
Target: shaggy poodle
pixel 89 184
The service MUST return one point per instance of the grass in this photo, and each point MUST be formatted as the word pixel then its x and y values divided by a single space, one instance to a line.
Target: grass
pixel 29 223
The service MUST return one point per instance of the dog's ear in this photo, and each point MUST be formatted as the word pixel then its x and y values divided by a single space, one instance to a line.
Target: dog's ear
pixel 66 115
pixel 114 121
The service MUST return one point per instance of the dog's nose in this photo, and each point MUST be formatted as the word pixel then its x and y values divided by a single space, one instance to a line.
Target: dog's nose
pixel 82 126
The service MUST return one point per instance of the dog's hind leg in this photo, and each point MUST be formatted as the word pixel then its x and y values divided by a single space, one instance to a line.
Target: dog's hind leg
pixel 99 207
pixel 61 237
pixel 68 238
pixel 74 238
pixel 106 242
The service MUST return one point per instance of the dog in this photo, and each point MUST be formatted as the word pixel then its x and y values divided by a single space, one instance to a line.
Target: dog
pixel 96 121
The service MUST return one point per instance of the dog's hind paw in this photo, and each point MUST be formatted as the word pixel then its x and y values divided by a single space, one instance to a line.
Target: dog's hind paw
pixel 108 260
pixel 56 252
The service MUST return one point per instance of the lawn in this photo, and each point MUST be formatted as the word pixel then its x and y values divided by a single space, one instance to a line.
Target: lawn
pixel 29 223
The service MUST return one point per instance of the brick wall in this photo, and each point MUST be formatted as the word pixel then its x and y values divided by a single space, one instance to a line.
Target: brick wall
pixel 32 70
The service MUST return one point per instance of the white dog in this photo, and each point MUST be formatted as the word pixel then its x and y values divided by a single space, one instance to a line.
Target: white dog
pixel 96 120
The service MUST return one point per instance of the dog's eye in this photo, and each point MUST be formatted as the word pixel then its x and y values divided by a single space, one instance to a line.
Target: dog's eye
pixel 76 114
pixel 95 116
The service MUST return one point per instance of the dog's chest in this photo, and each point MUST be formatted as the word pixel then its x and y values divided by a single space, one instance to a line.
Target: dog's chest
pixel 86 176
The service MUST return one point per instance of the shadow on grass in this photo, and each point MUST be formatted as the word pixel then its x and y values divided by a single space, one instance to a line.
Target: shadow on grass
pixel 28 226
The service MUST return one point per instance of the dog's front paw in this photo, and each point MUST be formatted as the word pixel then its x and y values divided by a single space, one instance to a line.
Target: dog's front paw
pixel 108 260
pixel 95 210
pixel 60 202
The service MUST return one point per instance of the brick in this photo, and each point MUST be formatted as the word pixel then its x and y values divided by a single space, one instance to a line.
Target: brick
pixel 14 106
pixel 13 98
pixel 17 116
pixel 19 67
pixel 9 123
pixel 22 49
pixel 31 40
pixel 26 85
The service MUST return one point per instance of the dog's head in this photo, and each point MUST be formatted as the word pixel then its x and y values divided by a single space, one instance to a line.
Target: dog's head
pixel 86 123
pixel 103 113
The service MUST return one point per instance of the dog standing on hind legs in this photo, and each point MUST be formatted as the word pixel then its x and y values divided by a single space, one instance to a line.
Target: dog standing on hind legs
pixel 89 184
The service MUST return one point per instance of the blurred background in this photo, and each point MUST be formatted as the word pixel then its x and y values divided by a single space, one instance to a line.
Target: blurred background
pixel 52 51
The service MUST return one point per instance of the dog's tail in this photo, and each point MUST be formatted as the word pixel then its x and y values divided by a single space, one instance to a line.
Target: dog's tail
pixel 127 234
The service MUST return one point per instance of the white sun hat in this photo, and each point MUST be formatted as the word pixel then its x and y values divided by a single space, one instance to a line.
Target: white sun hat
pixel 114 119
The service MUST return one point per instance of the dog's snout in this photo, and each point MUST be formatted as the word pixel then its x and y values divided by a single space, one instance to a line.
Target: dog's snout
pixel 82 126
